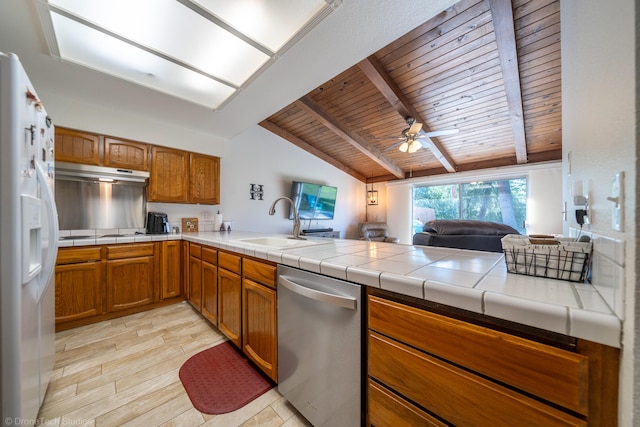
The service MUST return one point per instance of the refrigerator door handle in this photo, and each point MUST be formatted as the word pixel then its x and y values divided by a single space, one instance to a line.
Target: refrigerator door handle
pixel 53 230
pixel 337 300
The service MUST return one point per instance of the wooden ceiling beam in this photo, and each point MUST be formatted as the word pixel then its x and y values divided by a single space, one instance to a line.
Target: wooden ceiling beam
pixel 357 141
pixel 375 72
pixel 502 15
pixel 273 128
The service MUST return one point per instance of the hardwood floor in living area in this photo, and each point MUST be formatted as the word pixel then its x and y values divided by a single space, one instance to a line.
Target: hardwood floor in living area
pixel 125 372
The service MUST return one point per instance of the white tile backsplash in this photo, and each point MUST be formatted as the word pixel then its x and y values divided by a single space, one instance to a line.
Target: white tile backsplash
pixel 608 271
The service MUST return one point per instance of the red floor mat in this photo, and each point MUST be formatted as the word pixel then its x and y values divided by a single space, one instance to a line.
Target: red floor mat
pixel 221 379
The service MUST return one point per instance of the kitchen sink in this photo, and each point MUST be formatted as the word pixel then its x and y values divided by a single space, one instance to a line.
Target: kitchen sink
pixel 282 242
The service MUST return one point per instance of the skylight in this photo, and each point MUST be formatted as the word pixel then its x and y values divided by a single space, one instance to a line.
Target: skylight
pixel 202 51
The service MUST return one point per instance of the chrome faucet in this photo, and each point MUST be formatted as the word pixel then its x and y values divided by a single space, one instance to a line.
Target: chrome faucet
pixel 296 217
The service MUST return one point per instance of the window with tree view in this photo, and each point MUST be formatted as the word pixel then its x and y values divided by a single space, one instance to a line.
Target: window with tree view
pixel 503 201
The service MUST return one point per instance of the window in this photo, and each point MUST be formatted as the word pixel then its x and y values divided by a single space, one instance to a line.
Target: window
pixel 503 201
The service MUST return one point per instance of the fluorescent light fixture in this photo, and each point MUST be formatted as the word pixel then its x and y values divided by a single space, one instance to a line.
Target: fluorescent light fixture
pixel 202 51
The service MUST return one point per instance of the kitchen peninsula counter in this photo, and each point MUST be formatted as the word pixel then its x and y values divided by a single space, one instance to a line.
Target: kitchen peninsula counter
pixel 469 280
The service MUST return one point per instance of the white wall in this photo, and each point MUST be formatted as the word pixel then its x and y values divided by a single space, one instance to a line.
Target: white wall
pixel 259 157
pixel 599 140
pixel 544 208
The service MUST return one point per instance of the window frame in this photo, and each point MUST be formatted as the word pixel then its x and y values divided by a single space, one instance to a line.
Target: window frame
pixel 460 181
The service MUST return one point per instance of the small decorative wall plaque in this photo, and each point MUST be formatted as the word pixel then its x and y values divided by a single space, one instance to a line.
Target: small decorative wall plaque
pixel 256 192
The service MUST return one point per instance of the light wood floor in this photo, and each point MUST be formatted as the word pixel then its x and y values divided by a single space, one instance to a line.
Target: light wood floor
pixel 124 372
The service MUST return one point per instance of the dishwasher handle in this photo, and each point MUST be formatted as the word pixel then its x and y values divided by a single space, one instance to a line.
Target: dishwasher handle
pixel 337 300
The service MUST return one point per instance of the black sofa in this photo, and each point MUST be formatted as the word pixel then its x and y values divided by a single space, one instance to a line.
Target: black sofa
pixel 464 234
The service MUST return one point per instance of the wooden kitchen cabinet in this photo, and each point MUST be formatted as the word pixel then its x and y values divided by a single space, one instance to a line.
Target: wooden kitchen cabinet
pixel 77 147
pixel 230 296
pixel 430 365
pixel 124 154
pixel 168 176
pixel 259 315
pixel 195 276
pixel 130 276
pixel 101 282
pixel 177 176
pixel 210 284
pixel 170 269
pixel 78 284
pixel 93 149
pixel 204 179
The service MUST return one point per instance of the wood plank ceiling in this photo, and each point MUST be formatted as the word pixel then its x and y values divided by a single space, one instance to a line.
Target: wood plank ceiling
pixel 488 68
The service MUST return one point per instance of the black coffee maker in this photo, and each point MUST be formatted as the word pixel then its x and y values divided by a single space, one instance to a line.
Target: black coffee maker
pixel 157 223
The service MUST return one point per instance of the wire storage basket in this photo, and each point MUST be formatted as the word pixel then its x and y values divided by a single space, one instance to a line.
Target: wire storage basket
pixel 554 258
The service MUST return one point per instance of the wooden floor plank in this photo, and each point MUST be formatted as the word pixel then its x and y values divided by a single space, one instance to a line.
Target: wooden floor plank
pixel 125 372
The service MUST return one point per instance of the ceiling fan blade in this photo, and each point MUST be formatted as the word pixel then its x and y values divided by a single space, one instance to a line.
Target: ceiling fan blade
pixel 439 132
pixel 415 128
pixel 425 141
pixel 392 146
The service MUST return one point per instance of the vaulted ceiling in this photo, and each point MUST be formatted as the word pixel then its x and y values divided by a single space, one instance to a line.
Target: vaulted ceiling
pixel 489 69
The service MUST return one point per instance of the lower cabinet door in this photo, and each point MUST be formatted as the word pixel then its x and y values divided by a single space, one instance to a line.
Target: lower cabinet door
pixel 230 305
pixel 259 330
pixel 130 282
pixel 195 282
pixel 210 292
pixel 170 271
pixel 78 291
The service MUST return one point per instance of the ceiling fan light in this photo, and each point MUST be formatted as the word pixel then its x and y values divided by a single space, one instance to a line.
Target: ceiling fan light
pixel 414 146
pixel 404 147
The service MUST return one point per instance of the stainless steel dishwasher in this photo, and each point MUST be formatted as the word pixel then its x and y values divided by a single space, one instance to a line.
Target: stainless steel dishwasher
pixel 320 347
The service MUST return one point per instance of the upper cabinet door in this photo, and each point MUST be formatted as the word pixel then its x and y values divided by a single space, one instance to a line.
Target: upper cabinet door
pixel 168 175
pixel 204 179
pixel 124 154
pixel 77 147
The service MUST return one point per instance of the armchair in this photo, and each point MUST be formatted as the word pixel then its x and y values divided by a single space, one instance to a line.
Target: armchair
pixel 375 232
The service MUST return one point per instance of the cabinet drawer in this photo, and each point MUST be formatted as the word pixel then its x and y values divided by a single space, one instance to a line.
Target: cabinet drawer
pixel 195 250
pixel 556 375
pixel 455 394
pixel 130 250
pixel 76 255
pixel 210 255
pixel 386 409
pixel 229 262
pixel 260 272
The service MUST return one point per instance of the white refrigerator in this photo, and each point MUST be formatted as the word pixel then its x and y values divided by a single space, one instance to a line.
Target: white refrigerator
pixel 28 245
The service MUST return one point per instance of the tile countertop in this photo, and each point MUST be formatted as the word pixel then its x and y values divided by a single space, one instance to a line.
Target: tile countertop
pixel 470 280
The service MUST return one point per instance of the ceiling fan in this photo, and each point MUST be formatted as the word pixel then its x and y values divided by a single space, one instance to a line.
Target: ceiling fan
pixel 413 138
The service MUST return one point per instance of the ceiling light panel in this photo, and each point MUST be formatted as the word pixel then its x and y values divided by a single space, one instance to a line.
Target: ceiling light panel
pixel 169 27
pixel 113 56
pixel 271 23
pixel 199 50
